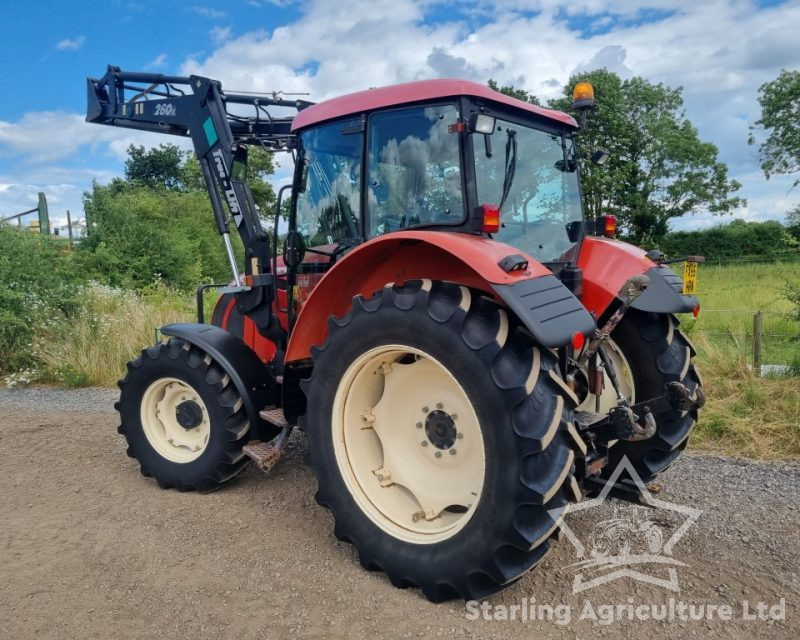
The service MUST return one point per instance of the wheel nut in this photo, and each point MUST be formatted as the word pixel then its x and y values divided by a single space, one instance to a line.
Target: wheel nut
pixel 459 435
pixel 419 425
pixel 424 443
pixel 439 405
pixel 454 416
pixel 438 454
pixel 452 452
pixel 424 409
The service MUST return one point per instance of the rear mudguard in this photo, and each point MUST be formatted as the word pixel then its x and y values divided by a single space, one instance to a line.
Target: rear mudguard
pixel 607 264
pixel 246 371
pixel 546 307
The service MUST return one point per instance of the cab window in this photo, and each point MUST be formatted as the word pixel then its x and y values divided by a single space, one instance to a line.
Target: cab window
pixel 414 175
pixel 328 209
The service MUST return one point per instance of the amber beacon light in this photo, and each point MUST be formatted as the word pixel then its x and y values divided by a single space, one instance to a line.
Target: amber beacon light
pixel 583 95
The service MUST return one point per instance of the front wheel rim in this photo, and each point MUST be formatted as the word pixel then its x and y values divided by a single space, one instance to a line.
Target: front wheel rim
pixel 408 444
pixel 160 424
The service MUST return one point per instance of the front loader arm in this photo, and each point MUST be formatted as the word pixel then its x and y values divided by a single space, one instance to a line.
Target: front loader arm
pixel 197 108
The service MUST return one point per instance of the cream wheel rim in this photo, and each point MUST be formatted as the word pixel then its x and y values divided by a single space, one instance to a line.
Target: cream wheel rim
pixel 160 423
pixel 608 398
pixel 408 444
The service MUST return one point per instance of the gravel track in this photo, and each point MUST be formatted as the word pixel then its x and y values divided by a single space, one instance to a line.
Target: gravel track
pixel 92 549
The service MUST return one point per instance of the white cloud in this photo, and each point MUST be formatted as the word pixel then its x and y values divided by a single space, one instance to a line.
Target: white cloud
pixel 158 62
pixel 70 44
pixel 46 143
pixel 208 12
pixel 64 191
pixel 269 3
pixel 220 35
pixel 47 136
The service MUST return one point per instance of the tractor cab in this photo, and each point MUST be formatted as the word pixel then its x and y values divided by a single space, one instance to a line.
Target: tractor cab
pixel 442 155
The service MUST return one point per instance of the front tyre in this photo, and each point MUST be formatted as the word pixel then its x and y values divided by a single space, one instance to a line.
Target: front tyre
pixel 182 418
pixel 439 434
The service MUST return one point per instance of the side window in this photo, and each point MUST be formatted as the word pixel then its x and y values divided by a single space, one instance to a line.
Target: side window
pixel 328 210
pixel 414 171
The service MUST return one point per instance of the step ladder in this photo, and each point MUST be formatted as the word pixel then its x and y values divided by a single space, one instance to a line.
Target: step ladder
pixel 267 454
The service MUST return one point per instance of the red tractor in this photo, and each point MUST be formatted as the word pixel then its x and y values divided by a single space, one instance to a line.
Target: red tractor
pixel 463 350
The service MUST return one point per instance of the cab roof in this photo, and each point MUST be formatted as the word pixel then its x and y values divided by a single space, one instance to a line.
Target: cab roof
pixel 398 94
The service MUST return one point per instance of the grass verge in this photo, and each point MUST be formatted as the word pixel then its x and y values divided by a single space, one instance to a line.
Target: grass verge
pixel 109 329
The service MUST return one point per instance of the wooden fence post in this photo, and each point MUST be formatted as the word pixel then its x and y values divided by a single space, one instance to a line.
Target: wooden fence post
pixel 69 229
pixel 758 335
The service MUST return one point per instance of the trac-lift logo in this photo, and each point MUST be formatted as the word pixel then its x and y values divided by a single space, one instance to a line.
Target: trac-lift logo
pixel 626 540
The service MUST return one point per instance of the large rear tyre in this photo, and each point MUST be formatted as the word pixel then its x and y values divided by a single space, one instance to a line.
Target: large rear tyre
pixel 657 353
pixel 440 435
pixel 182 418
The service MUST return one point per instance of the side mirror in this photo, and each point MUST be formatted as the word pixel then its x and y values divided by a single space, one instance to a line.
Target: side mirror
pixel 575 230
pixel 599 157
pixel 294 248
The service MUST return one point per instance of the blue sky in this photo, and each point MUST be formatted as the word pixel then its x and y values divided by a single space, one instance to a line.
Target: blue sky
pixel 720 51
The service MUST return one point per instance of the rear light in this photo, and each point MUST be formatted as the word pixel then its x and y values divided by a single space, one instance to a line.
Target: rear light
pixel 491 218
pixel 606 226
pixel 696 310
pixel 577 341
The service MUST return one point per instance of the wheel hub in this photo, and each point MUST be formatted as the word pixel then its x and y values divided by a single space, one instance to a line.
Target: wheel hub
pixel 441 429
pixel 175 420
pixel 188 414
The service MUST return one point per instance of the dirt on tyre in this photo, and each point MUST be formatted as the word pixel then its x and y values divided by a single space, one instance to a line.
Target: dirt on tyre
pixel 440 436
pixel 182 418
pixel 658 353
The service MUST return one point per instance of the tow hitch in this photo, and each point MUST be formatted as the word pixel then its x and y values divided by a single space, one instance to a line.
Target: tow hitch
pixel 637 422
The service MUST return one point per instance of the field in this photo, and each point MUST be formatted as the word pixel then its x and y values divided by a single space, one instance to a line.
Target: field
pixel 746 414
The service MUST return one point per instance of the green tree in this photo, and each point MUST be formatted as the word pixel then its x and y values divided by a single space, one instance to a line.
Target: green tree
pixel 510 90
pixel 38 291
pixel 159 167
pixel 733 240
pixel 780 118
pixel 793 220
pixel 141 234
pixel 157 223
pixel 658 168
pixel 260 166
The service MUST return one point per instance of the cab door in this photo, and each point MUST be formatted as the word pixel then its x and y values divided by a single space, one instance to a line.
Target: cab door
pixel 328 206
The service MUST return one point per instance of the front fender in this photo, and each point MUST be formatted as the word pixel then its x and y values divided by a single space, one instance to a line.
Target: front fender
pixel 467 259
pixel 250 377
pixel 608 263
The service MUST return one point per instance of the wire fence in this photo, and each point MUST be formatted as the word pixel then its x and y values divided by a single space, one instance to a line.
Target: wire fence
pixel 769 340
